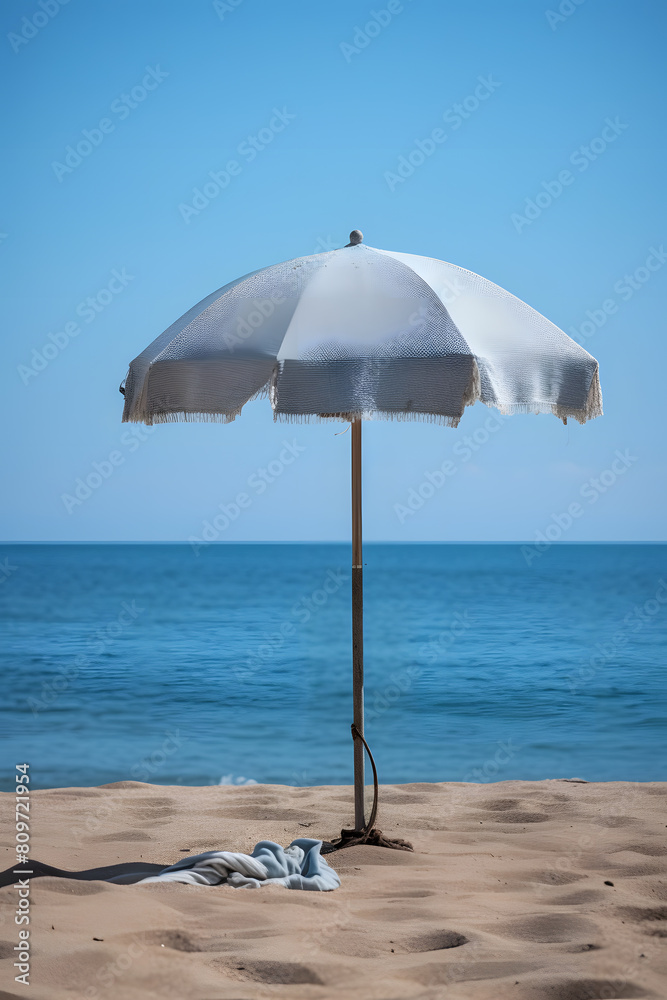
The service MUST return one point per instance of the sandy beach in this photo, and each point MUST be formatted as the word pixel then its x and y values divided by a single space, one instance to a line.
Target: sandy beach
pixel 549 890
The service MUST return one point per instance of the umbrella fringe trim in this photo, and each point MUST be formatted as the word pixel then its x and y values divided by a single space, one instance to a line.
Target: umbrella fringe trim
pixel 296 418
pixel 592 409
pixel 197 416
pixel 397 415
pixel 184 417
pixel 474 388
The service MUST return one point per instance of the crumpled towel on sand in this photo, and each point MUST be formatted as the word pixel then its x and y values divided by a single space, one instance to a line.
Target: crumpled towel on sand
pixel 298 866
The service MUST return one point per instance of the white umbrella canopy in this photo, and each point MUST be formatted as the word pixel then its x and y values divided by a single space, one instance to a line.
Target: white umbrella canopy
pixel 360 332
pixel 353 334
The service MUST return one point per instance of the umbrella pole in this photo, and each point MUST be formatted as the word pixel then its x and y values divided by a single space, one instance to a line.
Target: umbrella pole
pixel 357 628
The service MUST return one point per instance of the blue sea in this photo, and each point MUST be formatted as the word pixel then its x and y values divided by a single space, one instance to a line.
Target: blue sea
pixel 233 664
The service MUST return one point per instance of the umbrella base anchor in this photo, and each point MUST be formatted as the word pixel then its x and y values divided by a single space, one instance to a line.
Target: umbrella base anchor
pixel 369 835
pixel 372 838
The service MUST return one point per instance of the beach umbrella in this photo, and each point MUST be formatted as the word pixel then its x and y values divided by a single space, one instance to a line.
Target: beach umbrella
pixel 354 334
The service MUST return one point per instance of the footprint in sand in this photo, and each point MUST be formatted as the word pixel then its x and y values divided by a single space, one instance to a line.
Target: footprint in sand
pixel 176 940
pixel 352 941
pixel 612 822
pixel 499 805
pixel 516 816
pixel 275 973
pixel 549 928
pixel 433 941
pixel 578 898
pixel 552 878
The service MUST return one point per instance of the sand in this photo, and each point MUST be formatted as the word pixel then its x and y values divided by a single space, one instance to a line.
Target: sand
pixel 506 895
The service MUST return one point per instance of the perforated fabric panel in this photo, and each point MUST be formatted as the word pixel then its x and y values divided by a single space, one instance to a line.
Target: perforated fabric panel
pixel 200 386
pixel 362 304
pixel 249 319
pixel 134 410
pixel 244 321
pixel 380 387
pixel 369 336
pixel 526 363
pixel 360 331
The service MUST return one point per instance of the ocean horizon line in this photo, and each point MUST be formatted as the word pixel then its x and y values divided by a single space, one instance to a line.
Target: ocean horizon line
pixel 342 542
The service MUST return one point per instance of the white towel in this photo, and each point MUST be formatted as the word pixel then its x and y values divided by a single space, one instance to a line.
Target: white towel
pixel 299 866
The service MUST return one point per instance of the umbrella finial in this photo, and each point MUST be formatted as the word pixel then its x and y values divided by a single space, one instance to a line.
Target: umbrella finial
pixel 356 236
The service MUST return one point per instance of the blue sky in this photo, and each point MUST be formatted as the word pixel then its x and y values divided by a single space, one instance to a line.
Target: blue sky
pixel 157 95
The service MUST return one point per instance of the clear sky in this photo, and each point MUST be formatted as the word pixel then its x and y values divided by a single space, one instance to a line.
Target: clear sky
pixel 120 109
